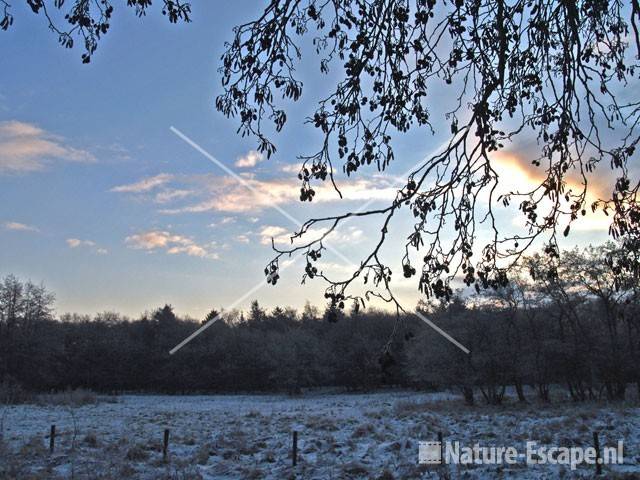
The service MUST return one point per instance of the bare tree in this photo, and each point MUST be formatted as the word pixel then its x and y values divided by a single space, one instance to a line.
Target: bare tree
pixel 547 69
pixel 514 300
pixel 593 271
pixel 88 20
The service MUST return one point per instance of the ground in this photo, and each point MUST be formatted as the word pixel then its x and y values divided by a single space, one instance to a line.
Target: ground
pixel 341 436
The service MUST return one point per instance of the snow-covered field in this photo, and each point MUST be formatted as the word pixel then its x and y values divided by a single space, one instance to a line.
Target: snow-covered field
pixel 373 436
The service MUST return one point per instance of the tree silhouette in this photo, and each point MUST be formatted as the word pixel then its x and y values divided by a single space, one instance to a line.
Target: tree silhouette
pixel 552 70
pixel 88 20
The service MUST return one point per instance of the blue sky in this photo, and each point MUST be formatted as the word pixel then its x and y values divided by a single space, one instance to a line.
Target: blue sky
pixel 105 205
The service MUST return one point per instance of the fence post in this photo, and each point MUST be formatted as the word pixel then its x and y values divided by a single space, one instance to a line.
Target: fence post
pixel 52 438
pixel 165 444
pixel 596 444
pixel 294 451
pixel 441 448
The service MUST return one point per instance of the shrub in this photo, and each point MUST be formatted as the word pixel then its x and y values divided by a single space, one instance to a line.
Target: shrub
pixel 386 475
pixel 91 440
pixel 137 453
pixel 11 393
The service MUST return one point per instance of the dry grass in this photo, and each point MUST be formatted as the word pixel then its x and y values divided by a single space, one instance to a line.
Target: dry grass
pixel 137 453
pixel 183 473
pixel 337 443
pixel 91 440
pixel 318 422
pixel 386 475
pixel 202 454
pixel 253 474
pixel 364 430
pixel 68 398
pixel 355 470
pixel 33 448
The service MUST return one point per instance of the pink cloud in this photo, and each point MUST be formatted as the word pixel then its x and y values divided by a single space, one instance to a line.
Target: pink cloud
pixel 24 147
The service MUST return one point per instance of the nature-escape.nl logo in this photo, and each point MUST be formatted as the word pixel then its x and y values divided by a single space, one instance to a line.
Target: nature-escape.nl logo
pixel 437 453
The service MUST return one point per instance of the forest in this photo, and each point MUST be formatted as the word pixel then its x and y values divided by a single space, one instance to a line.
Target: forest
pixel 567 323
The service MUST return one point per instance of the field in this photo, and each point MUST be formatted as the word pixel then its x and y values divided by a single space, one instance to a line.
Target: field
pixel 373 436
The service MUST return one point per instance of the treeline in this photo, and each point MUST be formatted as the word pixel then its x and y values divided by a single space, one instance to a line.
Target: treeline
pixel 258 351
pixel 570 321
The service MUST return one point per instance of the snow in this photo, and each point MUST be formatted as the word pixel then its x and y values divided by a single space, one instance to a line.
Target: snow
pixel 340 436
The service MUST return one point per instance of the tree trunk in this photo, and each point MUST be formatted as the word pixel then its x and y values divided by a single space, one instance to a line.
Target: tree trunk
pixel 543 392
pixel 467 393
pixel 520 391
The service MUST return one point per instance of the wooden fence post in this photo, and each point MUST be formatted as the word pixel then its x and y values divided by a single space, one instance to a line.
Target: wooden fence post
pixel 52 438
pixel 165 444
pixel 441 448
pixel 294 450
pixel 596 444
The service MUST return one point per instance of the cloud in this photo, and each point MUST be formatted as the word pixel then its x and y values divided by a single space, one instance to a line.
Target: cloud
pixel 172 244
pixel 144 185
pixel 352 235
pixel 158 184
pixel 118 151
pixel 19 227
pixel 242 239
pixel 24 147
pixel 335 268
pixel 76 242
pixel 90 244
pixel 223 221
pixel 211 193
pixel 291 168
pixel 282 236
pixel 279 234
pixel 14 128
pixel 518 175
pixel 167 196
pixel 251 159
pixel 225 194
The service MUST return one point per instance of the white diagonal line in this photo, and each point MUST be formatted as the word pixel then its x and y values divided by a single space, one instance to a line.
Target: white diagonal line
pixel 246 184
pixel 196 333
pixel 241 180
pixel 430 323
pixel 290 217
pixel 442 332
pixel 230 307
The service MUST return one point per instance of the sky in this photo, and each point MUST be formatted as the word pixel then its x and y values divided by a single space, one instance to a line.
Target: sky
pixel 102 202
